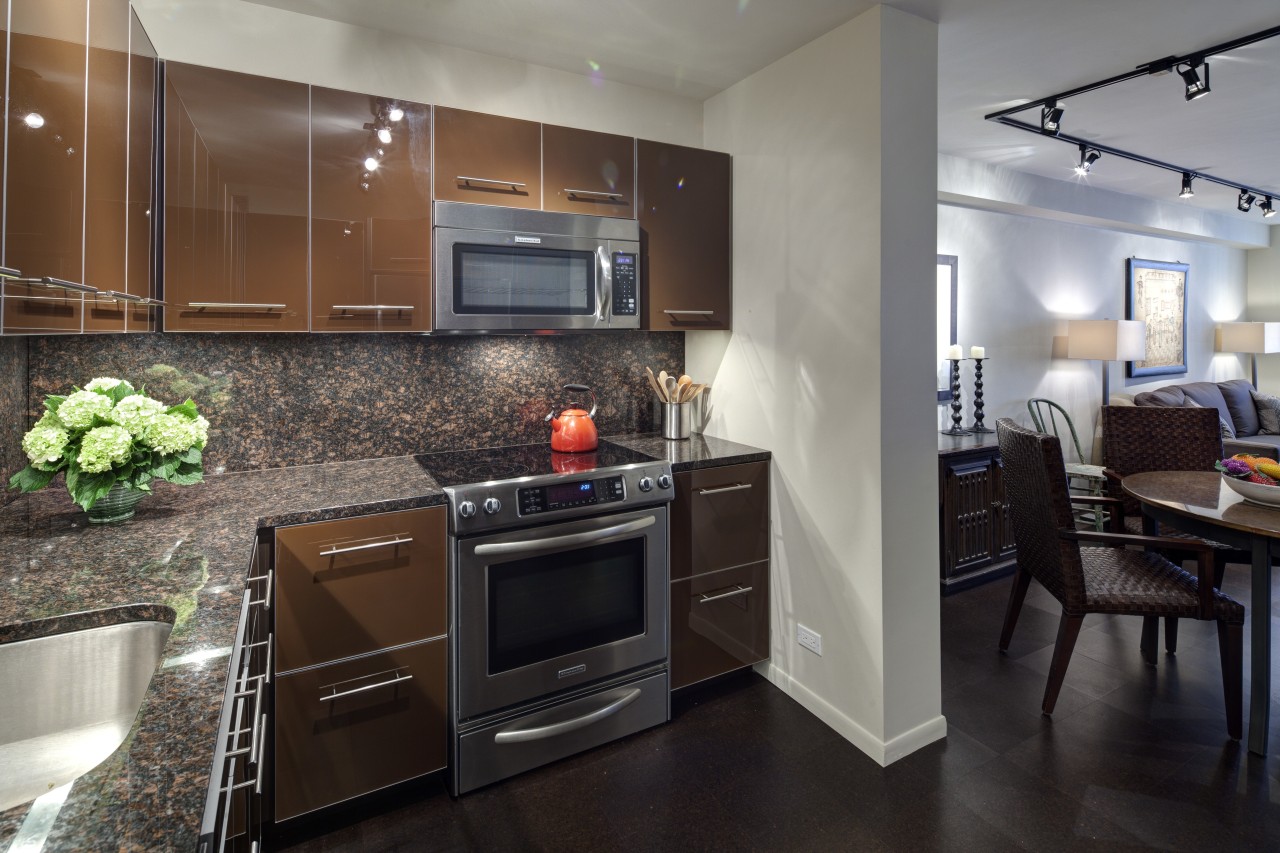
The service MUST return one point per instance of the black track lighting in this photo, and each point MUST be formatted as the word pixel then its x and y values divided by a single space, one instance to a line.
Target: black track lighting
pixel 1187 192
pixel 1245 201
pixel 1088 156
pixel 1051 118
pixel 1267 210
pixel 1196 88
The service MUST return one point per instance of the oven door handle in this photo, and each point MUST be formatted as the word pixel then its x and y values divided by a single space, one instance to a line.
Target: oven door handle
pixel 544 732
pixel 571 540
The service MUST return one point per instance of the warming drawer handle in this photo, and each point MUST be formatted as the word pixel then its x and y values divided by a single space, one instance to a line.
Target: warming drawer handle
pixel 367 688
pixel 498 549
pixel 594 194
pixel 736 487
pixel 741 590
pixel 544 732
pixel 386 543
pixel 515 185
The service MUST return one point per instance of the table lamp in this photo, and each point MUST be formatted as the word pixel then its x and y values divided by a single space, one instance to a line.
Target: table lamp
pixel 1107 341
pixel 1250 337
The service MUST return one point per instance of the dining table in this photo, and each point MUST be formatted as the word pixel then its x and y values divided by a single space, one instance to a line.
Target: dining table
pixel 1202 504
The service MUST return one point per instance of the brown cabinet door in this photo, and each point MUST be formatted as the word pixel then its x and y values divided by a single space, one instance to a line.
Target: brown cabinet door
pixel 239 151
pixel 356 726
pixel 370 229
pixel 487 159
pixel 686 236
pixel 45 174
pixel 719 623
pixel 968 532
pixel 720 518
pixel 588 172
pixel 358 585
pixel 139 262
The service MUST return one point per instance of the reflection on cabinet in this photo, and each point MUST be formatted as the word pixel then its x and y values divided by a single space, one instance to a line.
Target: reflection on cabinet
pixel 976 532
pixel 487 159
pixel 719 571
pixel 361 623
pixel 686 235
pixel 236 201
pixel 370 230
pixel 588 172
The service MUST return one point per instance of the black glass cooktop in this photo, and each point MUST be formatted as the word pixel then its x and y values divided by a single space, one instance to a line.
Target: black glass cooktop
pixel 464 467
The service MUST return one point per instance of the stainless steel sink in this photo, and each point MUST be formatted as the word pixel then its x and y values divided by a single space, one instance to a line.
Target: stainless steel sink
pixel 68 701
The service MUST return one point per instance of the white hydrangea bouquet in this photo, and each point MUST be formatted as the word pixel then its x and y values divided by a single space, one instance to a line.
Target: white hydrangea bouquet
pixel 108 434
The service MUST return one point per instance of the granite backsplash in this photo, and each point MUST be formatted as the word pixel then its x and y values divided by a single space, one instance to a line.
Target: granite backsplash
pixel 276 400
pixel 13 411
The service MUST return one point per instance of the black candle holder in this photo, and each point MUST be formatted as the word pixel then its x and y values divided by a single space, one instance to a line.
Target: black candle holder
pixel 978 426
pixel 956 407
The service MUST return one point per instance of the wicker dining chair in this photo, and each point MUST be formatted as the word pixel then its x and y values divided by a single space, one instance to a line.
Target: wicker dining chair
pixel 1086 479
pixel 1086 578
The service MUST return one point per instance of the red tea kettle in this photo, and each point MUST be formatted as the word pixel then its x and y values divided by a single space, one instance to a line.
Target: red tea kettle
pixel 573 431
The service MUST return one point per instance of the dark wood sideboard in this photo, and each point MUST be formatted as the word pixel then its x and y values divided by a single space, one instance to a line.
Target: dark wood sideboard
pixel 975 533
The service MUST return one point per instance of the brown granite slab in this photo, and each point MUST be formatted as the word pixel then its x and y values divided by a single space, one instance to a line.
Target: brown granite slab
pixel 696 451
pixel 13 411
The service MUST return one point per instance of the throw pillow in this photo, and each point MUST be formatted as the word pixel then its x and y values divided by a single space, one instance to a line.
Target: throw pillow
pixel 1268 413
pixel 1228 431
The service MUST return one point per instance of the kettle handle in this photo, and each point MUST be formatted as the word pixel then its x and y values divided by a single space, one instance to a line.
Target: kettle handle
pixel 584 389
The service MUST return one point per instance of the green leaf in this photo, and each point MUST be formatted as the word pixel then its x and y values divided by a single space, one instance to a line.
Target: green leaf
pixel 53 402
pixel 86 489
pixel 187 410
pixel 164 465
pixel 187 475
pixel 31 479
pixel 191 456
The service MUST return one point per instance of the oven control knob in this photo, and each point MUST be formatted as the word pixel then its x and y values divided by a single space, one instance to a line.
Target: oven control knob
pixel 492 505
pixel 466 509
pixel 664 481
pixel 645 484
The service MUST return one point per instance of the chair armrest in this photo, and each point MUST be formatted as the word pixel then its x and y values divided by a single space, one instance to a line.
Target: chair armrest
pixel 1112 476
pixel 1116 505
pixel 1203 551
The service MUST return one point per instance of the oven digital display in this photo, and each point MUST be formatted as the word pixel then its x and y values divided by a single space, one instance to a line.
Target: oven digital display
pixel 564 493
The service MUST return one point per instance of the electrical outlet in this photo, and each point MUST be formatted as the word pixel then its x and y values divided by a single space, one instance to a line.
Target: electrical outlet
pixel 811 640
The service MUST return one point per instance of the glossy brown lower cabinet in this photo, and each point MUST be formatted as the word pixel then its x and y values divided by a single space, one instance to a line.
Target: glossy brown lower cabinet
pixel 720 518
pixel 719 623
pixel 359 725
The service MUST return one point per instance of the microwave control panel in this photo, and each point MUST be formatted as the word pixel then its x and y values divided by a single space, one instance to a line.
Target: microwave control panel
pixel 624 284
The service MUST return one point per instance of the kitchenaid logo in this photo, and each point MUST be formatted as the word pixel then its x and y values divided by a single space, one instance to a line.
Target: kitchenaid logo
pixel 520 239
pixel 573 670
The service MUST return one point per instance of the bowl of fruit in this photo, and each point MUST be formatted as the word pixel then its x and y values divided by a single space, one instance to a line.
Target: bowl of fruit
pixel 1254 478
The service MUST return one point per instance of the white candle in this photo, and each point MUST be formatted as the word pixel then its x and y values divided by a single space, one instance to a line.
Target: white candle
pixel 955 352
pixel 977 352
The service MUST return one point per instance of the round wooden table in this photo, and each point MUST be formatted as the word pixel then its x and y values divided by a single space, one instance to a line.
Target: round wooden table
pixel 1200 503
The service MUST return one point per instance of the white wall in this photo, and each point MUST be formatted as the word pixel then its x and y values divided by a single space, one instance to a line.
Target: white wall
pixel 1264 304
pixel 834 159
pixel 273 42
pixel 1025 269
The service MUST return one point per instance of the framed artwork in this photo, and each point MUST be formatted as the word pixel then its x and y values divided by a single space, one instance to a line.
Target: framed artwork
pixel 947 325
pixel 1157 295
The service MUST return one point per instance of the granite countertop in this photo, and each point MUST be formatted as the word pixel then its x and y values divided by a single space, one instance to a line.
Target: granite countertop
pixel 184 558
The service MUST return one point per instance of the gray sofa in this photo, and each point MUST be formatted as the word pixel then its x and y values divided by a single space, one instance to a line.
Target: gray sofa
pixel 1233 400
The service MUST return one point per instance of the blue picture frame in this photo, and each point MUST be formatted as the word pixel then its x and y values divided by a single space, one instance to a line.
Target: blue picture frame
pixel 1156 292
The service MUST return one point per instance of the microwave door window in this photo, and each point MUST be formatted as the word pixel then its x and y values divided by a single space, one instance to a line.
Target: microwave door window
pixel 518 281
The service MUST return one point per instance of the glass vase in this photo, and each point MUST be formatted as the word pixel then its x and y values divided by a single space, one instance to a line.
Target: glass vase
pixel 116 505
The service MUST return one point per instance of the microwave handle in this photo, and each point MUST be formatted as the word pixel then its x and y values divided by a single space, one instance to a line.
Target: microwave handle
pixel 604 284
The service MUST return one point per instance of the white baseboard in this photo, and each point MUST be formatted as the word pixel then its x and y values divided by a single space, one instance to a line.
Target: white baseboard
pixel 883 752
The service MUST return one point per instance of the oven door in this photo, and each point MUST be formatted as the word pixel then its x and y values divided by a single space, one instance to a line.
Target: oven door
pixel 551 608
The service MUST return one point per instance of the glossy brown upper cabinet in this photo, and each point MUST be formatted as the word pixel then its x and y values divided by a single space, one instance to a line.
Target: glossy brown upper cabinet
pixel 686 236
pixel 236 201
pixel 488 159
pixel 370 227
pixel 588 172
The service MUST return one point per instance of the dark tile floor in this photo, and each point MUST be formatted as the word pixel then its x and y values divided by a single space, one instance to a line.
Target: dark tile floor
pixel 1134 758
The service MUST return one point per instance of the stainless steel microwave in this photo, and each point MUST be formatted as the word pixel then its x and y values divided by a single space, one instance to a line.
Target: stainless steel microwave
pixel 500 269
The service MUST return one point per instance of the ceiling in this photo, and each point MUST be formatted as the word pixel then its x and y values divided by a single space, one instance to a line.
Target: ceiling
pixel 992 54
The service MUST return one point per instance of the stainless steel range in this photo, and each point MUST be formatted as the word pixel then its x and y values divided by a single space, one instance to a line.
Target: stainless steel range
pixel 559 567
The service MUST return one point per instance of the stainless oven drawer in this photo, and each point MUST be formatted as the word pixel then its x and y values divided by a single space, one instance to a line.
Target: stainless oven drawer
pixel 512 746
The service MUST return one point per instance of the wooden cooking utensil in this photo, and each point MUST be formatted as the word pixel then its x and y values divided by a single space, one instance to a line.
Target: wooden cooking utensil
pixel 671 389
pixel 653 382
pixel 682 386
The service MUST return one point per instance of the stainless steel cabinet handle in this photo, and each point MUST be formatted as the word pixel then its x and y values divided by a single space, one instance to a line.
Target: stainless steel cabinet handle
pixel 676 311
pixel 265 601
pixel 741 590
pixel 240 306
pixel 594 194
pixel 736 487
pixel 543 732
pixel 10 272
pixel 366 688
pixel 494 549
pixel 386 543
pixel 515 185
pixel 372 307
pixel 49 281
pixel 113 295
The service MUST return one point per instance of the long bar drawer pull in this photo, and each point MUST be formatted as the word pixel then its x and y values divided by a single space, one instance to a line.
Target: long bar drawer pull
pixel 239 306
pixel 677 311
pixel 594 194
pixel 741 590
pixel 570 540
pixel 372 307
pixel 736 487
pixel 544 732
pixel 386 543
pixel 367 687
pixel 515 185
pixel 265 601
pixel 49 281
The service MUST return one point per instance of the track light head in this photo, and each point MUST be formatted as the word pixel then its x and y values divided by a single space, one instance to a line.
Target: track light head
pixel 1187 192
pixel 1267 210
pixel 1051 118
pixel 1245 201
pixel 1196 88
pixel 1088 156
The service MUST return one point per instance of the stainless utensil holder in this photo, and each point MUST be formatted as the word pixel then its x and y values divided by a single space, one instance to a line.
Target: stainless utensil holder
pixel 677 419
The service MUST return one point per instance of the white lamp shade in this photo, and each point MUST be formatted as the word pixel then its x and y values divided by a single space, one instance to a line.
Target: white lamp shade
pixel 1107 340
pixel 1255 337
